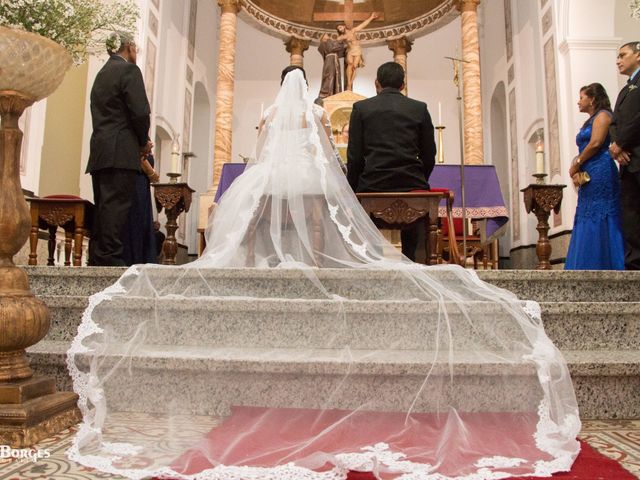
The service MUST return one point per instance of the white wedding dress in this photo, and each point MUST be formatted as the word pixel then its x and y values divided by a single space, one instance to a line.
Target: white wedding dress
pixel 460 382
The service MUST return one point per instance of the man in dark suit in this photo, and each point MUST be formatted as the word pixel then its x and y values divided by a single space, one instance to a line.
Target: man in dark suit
pixel 121 117
pixel 391 145
pixel 625 149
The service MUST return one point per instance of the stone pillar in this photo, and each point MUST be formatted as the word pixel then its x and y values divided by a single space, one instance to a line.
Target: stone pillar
pixel 473 142
pixel 296 47
pixel 401 47
pixel 225 85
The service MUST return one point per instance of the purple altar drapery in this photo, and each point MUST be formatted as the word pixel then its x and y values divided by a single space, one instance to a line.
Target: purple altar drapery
pixel 483 197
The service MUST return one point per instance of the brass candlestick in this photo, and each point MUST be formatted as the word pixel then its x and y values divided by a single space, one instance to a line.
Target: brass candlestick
pixel 173 177
pixel 440 129
pixel 540 178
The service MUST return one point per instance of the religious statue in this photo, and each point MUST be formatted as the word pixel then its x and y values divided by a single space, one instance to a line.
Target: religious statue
pixel 354 59
pixel 331 50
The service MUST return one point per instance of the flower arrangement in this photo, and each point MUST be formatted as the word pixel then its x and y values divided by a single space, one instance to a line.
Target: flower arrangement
pixel 635 9
pixel 80 26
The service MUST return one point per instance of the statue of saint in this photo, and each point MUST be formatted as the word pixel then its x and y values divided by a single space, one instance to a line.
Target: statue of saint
pixel 331 50
pixel 354 51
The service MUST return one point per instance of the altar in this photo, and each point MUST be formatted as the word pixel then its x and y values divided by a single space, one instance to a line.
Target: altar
pixel 483 197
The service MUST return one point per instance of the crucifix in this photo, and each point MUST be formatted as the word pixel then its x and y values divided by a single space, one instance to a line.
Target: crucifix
pixel 346 16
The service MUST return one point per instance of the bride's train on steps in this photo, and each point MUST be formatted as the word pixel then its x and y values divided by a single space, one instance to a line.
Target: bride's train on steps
pixel 315 347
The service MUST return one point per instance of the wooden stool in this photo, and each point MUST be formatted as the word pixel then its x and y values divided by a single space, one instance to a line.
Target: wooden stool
pixel 398 210
pixel 72 213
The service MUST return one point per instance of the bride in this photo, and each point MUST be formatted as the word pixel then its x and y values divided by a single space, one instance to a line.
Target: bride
pixel 331 353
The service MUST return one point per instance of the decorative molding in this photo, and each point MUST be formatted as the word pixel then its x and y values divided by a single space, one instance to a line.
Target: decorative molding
pixel 553 138
pixel 515 175
pixel 508 27
pixel 589 43
pixel 547 21
pixel 284 29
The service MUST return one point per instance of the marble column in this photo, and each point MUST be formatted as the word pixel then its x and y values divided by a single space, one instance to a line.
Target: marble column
pixel 225 86
pixel 473 142
pixel 296 47
pixel 401 47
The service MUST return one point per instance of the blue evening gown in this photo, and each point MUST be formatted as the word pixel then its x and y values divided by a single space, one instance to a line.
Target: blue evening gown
pixel 596 241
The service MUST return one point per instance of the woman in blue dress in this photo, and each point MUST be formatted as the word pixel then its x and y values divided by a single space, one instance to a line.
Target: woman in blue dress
pixel 596 242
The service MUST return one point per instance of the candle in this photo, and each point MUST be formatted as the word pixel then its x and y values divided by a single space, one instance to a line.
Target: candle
pixel 175 156
pixel 439 114
pixel 261 111
pixel 175 162
pixel 539 158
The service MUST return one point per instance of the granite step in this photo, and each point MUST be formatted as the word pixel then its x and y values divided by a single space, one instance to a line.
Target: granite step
pixel 271 323
pixel 551 286
pixel 607 382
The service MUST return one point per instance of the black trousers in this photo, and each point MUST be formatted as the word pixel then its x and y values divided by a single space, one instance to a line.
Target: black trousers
pixel 630 202
pixel 113 192
pixel 409 238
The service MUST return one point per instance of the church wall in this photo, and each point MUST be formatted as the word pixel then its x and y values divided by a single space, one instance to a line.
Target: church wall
pixel 32 125
pixel 62 143
pixel 511 56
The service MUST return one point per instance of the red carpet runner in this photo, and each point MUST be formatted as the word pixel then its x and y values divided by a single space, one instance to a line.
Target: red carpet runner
pixel 257 437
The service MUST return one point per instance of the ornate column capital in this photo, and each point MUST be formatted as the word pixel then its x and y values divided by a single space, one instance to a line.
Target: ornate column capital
pixel 229 6
pixel 467 5
pixel 400 46
pixel 296 45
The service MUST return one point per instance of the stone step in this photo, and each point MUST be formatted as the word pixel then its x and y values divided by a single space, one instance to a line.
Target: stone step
pixel 607 382
pixel 270 323
pixel 365 284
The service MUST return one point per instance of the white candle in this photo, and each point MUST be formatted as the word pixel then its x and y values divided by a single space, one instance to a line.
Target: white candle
pixel 175 156
pixel 439 114
pixel 175 162
pixel 261 111
pixel 539 158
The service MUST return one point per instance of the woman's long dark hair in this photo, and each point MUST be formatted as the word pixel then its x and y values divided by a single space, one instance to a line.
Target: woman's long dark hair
pixel 598 94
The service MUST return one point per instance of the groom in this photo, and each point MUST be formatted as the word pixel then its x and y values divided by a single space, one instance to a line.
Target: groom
pixel 391 146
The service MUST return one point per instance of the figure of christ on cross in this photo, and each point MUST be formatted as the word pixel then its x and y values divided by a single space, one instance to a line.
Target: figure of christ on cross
pixel 348 33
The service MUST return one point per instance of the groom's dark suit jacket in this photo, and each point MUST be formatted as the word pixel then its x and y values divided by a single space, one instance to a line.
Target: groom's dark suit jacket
pixel 121 117
pixel 391 144
pixel 625 128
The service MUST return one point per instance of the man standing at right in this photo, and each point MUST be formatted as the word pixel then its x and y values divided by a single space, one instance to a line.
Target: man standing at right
pixel 391 145
pixel 121 117
pixel 625 149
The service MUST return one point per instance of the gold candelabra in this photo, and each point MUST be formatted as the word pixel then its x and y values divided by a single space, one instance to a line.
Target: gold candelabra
pixel 440 129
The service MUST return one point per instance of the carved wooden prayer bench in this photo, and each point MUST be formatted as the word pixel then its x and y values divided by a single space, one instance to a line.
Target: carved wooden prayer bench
pixel 73 214
pixel 399 210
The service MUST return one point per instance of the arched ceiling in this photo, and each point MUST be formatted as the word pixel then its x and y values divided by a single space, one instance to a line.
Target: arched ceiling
pixel 311 18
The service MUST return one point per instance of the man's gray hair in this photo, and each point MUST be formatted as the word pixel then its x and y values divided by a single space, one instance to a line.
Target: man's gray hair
pixel 117 42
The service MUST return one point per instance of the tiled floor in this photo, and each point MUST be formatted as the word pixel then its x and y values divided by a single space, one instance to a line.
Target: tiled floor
pixel 619 439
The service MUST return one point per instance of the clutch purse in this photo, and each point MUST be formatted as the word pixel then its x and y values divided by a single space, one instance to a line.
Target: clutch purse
pixel 581 178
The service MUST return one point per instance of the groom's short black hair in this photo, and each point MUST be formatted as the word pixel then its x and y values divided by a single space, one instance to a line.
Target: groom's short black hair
pixel 390 75
pixel 291 68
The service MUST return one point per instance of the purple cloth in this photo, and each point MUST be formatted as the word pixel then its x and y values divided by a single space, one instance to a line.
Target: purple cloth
pixel 483 197
pixel 230 171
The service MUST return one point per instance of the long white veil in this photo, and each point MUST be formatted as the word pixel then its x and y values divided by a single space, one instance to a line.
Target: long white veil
pixel 302 345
